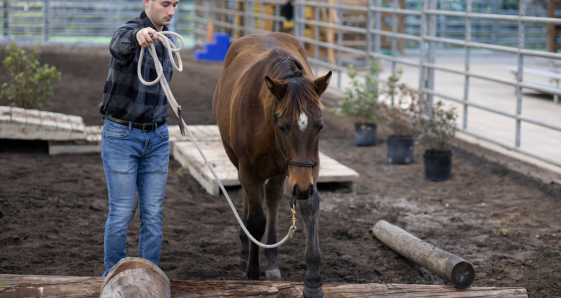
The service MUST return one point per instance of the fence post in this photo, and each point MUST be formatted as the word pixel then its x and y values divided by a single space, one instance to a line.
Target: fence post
pixel 296 18
pixel 431 52
pixel 422 50
pixel 521 13
pixel 6 18
pixel 395 5
pixel 47 16
pixel 467 57
pixel 277 14
pixel 249 20
pixel 316 36
pixel 339 43
pixel 214 17
pixel 261 19
pixel 495 34
pixel 378 41
pixel 368 36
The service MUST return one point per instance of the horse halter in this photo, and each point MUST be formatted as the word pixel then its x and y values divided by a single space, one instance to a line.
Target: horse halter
pixel 288 160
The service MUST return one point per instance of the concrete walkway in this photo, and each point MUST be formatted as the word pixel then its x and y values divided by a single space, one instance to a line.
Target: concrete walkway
pixel 540 141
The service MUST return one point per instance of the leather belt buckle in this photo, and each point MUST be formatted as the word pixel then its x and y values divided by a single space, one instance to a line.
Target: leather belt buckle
pixel 149 125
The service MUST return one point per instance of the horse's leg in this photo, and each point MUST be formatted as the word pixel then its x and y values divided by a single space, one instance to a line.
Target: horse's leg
pixel 273 191
pixel 253 191
pixel 244 257
pixel 312 282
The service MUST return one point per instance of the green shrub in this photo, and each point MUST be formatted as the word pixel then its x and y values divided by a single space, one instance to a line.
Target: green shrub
pixel 361 98
pixel 31 83
pixel 436 125
pixel 397 117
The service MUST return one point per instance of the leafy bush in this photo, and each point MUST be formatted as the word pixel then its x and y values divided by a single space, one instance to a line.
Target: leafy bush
pixel 31 83
pixel 436 125
pixel 361 98
pixel 397 119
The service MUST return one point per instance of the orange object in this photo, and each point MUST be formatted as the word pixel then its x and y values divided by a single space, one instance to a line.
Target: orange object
pixel 209 31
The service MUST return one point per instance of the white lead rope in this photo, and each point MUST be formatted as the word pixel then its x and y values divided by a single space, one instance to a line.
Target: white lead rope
pixel 159 69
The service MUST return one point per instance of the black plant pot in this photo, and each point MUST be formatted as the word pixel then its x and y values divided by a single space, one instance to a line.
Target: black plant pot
pixel 400 149
pixel 438 165
pixel 365 134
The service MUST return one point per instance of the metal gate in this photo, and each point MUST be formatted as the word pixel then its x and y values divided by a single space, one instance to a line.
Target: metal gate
pixel 245 17
pixel 73 20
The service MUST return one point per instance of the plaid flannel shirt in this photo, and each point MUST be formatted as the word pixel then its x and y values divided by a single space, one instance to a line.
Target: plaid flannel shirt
pixel 124 96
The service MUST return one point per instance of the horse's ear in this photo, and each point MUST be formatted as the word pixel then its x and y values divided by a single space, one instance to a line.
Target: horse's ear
pixel 322 83
pixel 277 88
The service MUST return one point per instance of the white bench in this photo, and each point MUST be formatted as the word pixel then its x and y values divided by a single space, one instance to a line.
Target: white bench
pixel 553 77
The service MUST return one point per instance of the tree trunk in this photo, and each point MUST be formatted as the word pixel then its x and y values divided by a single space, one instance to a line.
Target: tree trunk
pixel 135 278
pixel 445 264
pixel 32 286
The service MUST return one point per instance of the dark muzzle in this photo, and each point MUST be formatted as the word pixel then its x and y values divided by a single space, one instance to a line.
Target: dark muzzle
pixel 302 195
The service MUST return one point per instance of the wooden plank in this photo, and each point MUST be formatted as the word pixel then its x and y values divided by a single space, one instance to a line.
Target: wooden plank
pixel 92 143
pixel 209 141
pixel 5 120
pixel 5 114
pixel 200 132
pixel 48 122
pixel 187 154
pixel 29 124
pixel 55 148
pixel 67 286
pixel 93 133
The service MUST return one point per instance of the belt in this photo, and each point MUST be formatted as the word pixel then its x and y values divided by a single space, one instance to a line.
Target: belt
pixel 143 126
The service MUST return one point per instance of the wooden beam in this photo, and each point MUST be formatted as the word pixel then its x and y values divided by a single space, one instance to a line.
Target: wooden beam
pixel 66 286
pixel 443 263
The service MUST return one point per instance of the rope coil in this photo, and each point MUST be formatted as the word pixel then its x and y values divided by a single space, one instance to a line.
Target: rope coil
pixel 177 109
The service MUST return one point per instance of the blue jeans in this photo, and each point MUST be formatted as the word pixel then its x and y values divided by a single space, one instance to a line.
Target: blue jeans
pixel 133 159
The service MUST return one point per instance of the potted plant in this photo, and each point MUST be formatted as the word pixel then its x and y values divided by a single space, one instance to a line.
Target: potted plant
pixel 436 127
pixel 361 105
pixel 397 121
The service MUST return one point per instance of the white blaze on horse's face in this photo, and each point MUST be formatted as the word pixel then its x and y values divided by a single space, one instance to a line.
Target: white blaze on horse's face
pixel 302 121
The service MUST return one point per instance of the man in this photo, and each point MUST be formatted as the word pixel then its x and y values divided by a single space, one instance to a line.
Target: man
pixel 135 139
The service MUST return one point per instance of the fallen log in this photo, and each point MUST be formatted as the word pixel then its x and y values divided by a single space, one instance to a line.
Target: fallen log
pixel 135 278
pixel 23 286
pixel 443 263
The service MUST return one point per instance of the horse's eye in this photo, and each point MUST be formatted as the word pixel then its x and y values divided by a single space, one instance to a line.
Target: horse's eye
pixel 320 127
pixel 282 129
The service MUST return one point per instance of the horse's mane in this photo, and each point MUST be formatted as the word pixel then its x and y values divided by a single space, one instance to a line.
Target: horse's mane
pixel 301 92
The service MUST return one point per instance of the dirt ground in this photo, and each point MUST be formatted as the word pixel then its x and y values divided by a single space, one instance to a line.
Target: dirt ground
pixel 53 208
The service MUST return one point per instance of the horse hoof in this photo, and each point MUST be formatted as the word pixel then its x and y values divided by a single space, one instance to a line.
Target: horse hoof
pixel 273 274
pixel 243 264
pixel 313 293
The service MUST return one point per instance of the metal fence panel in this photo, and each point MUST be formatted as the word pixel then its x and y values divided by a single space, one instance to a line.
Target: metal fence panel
pixel 471 25
pixel 69 19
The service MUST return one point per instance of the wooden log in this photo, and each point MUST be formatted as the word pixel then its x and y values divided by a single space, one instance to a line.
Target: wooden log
pixel 69 286
pixel 136 278
pixel 443 263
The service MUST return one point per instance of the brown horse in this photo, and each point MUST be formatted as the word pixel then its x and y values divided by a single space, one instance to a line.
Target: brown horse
pixel 267 106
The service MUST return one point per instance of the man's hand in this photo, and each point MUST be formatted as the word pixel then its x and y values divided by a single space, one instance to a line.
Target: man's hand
pixel 146 36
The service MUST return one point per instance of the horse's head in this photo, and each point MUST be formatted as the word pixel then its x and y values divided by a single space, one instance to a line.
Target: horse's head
pixel 297 124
